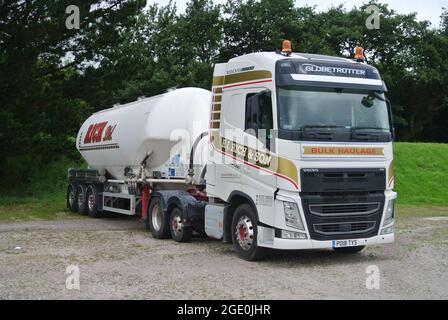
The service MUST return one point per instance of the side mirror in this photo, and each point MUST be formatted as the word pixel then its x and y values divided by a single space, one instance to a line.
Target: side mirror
pixel 391 120
pixel 368 101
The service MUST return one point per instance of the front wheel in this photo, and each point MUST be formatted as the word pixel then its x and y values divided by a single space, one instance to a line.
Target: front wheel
pixel 349 249
pixel 244 234
pixel 179 232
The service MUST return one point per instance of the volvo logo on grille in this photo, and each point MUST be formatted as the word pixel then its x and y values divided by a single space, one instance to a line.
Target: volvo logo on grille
pixel 310 170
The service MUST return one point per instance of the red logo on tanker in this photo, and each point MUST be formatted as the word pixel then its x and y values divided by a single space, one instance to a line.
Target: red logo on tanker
pixel 96 132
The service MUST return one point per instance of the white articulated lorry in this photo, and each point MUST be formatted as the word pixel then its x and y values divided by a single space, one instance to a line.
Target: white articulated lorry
pixel 288 151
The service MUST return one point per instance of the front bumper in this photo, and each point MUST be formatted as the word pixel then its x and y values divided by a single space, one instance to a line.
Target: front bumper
pixel 270 236
pixel 287 244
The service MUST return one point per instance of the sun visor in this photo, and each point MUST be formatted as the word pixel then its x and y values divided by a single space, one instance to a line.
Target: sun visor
pixel 331 74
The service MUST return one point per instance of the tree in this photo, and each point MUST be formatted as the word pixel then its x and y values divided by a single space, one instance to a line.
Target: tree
pixel 41 63
pixel 53 77
pixel 253 26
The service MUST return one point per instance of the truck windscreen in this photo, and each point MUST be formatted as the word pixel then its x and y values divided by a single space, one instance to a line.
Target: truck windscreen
pixel 339 110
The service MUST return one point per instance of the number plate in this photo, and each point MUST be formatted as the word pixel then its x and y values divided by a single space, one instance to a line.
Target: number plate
pixel 346 243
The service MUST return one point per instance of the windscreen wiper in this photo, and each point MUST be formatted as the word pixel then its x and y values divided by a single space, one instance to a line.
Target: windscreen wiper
pixel 321 127
pixel 361 133
pixel 368 128
pixel 318 132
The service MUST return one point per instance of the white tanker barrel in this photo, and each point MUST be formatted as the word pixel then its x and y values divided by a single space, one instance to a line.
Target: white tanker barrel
pixel 166 125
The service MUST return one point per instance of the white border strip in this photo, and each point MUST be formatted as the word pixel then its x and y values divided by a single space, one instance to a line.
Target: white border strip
pixel 309 77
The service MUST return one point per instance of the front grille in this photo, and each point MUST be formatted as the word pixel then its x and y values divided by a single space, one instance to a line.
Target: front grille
pixel 345 215
pixel 344 228
pixel 342 209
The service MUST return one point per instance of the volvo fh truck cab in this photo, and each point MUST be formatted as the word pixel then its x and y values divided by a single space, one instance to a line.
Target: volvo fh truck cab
pixel 301 154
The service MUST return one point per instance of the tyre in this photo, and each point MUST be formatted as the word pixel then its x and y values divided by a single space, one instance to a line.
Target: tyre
pixel 158 220
pixel 349 249
pixel 244 234
pixel 179 232
pixel 72 204
pixel 92 200
pixel 81 199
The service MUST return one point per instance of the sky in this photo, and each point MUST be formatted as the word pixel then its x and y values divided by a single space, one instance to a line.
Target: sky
pixel 426 10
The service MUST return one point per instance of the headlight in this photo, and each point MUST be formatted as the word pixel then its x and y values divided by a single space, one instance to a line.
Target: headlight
pixel 389 216
pixel 387 230
pixel 292 215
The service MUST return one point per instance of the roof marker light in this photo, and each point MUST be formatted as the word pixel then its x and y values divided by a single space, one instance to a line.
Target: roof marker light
pixel 286 47
pixel 359 54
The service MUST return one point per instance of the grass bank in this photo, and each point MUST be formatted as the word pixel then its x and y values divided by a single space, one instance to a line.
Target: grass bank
pixel 421 174
pixel 43 198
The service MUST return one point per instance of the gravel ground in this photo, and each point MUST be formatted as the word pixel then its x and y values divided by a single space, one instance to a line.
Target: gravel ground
pixel 118 259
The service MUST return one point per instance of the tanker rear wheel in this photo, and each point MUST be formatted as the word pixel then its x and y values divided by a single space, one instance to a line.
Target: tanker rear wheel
pixel 72 204
pixel 158 220
pixel 81 199
pixel 92 201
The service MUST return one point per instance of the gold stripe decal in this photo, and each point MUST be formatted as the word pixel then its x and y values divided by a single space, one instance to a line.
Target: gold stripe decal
pixel 343 151
pixel 241 77
pixel 390 174
pixel 261 160
pixel 218 81
pixel 247 76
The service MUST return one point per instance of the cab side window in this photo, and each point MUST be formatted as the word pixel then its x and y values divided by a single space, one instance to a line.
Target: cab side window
pixel 249 115
pixel 259 120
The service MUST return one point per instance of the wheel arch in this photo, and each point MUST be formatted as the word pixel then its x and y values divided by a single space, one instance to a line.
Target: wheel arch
pixel 236 198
